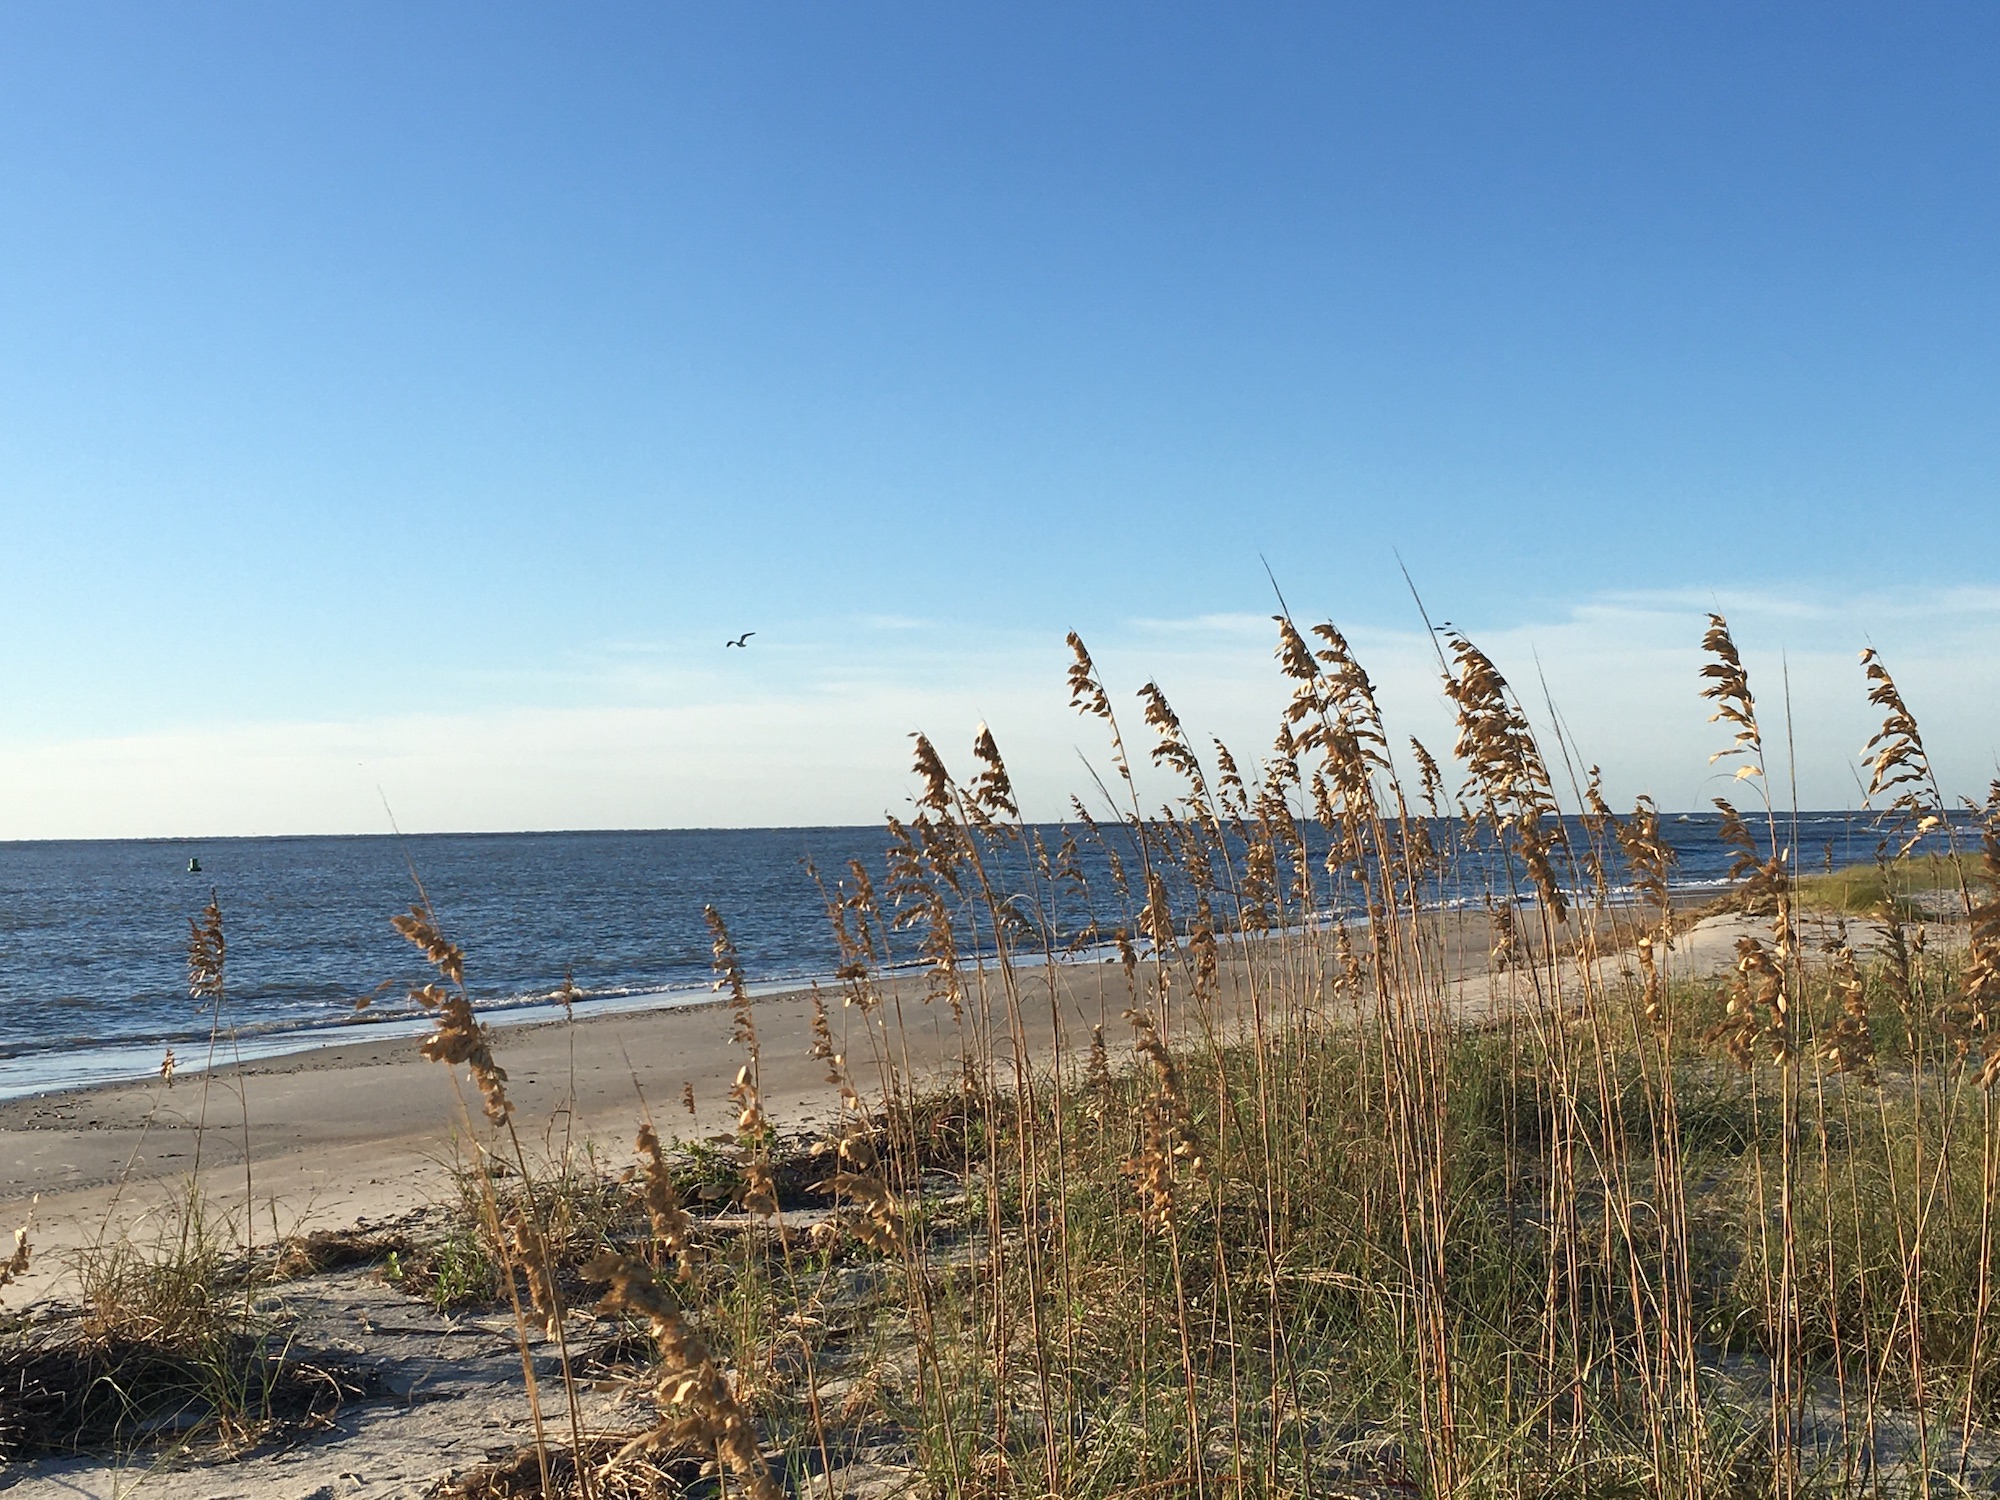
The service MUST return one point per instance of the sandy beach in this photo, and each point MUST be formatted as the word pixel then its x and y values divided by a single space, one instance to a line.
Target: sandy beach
pixel 363 1135
pixel 366 1131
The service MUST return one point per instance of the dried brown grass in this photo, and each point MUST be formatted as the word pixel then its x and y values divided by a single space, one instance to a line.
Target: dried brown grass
pixel 1307 1228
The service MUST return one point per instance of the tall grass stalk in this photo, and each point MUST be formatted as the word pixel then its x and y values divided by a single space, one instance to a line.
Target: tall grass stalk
pixel 1358 1205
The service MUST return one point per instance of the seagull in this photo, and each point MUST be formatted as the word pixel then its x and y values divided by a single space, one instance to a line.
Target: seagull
pixel 742 640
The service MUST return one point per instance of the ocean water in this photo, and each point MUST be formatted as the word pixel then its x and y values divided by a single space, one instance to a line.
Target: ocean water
pixel 93 934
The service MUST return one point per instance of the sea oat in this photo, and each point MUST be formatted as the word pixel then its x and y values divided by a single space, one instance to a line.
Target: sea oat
pixel 1505 952
pixel 672 1227
pixel 728 966
pixel 700 1407
pixel 1151 1169
pixel 1097 1075
pixel 1156 918
pixel 1649 859
pixel 1729 690
pixel 1086 693
pixel 1652 995
pixel 1429 777
pixel 1849 1047
pixel 822 1039
pixel 419 925
pixel 1898 764
pixel 1505 765
pixel 1234 799
pixel 1182 1143
pixel 991 794
pixel 459 1037
pixel 1173 749
pixel 1257 886
pixel 1202 949
pixel 929 766
pixel 1757 1018
pixel 1350 970
pixel 1648 856
pixel 206 950
pixel 527 1247
pixel 878 1223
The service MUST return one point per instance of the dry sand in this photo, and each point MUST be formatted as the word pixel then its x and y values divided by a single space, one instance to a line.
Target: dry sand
pixel 367 1130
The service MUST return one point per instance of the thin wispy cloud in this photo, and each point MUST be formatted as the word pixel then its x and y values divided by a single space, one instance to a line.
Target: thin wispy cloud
pixel 896 622
pixel 817 732
pixel 1220 625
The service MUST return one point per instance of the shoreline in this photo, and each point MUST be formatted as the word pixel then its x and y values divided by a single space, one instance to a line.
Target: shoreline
pixel 112 1063
pixel 504 1017
pixel 365 1128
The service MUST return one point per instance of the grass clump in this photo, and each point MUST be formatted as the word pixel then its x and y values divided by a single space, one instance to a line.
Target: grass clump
pixel 174 1342
pixel 117 1394
pixel 1891 886
pixel 1333 1226
pixel 172 1346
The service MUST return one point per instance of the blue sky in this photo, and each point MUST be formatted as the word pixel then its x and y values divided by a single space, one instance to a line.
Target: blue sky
pixel 414 397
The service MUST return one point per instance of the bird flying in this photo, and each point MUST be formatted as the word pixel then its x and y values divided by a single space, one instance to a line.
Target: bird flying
pixel 742 640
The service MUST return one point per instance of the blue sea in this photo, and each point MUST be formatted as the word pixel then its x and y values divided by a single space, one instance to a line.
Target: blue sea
pixel 93 934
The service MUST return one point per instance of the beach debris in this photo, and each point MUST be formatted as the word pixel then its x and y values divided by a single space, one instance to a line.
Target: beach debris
pixel 16 1265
